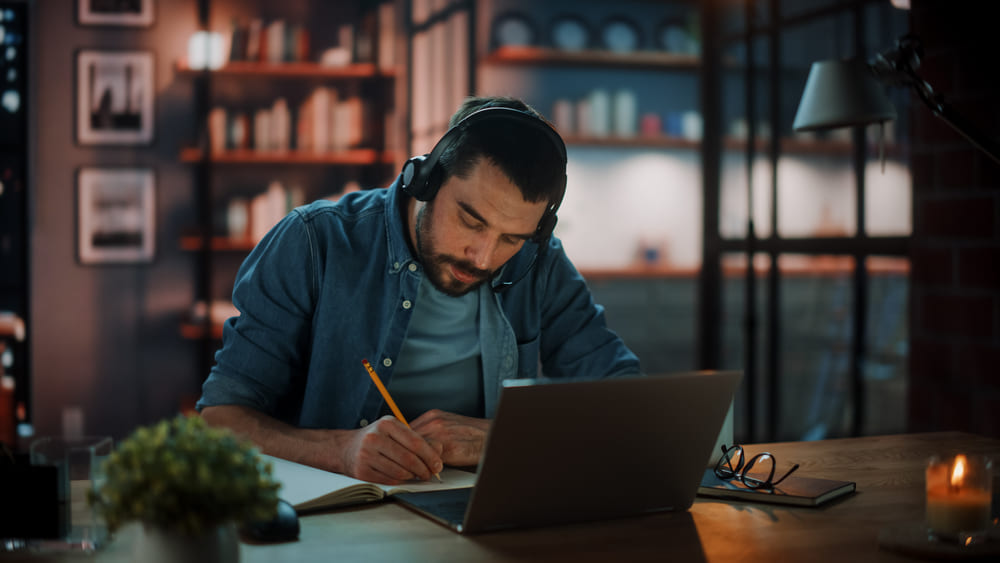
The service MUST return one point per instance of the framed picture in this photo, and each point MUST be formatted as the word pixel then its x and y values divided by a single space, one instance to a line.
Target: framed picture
pixel 114 97
pixel 116 215
pixel 134 13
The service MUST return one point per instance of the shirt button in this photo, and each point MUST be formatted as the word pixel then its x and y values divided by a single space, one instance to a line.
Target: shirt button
pixel 395 265
pixel 363 423
pixel 407 304
pixel 413 267
pixel 387 362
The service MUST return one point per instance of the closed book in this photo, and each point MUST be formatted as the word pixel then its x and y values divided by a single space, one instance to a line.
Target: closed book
pixel 238 42
pixel 275 39
pixel 794 490
pixel 280 126
pixel 254 39
pixel 386 36
pixel 217 131
pixel 262 130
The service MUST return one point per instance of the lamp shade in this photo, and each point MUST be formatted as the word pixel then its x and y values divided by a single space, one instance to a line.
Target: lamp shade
pixel 841 94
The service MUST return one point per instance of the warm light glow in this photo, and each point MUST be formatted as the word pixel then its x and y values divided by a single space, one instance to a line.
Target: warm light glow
pixel 901 4
pixel 958 472
pixel 206 50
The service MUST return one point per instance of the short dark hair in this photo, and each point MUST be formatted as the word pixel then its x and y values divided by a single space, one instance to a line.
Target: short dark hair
pixel 525 155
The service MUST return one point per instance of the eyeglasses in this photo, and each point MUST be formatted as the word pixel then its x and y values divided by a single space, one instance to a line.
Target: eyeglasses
pixel 725 469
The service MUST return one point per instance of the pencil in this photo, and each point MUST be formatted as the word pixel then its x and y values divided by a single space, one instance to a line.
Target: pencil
pixel 388 398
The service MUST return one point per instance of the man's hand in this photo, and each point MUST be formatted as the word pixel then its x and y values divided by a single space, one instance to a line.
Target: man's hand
pixel 388 452
pixel 460 439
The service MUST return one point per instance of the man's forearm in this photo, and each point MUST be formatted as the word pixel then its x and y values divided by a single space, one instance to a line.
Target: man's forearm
pixel 315 447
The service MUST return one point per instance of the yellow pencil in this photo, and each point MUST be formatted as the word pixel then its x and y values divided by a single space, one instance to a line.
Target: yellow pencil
pixel 388 398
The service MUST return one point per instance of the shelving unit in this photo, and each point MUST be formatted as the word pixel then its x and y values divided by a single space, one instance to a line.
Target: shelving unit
pixel 243 171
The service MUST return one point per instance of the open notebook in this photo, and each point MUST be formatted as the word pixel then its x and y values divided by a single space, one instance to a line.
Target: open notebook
pixel 307 488
pixel 588 450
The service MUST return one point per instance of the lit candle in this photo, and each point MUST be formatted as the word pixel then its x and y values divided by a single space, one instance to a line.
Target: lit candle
pixel 959 491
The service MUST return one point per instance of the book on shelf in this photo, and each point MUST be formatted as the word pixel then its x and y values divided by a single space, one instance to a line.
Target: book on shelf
pixel 270 207
pixel 238 41
pixel 217 119
pixel 386 36
pixel 274 45
pixel 794 490
pixel 253 41
pixel 262 129
pixel 308 488
pixel 280 127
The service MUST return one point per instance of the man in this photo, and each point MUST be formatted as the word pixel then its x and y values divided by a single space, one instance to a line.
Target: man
pixel 448 281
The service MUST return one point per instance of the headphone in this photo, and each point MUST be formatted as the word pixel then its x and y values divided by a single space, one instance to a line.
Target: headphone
pixel 422 175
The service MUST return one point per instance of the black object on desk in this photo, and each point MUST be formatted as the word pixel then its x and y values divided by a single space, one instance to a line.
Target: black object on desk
pixel 29 497
pixel 283 527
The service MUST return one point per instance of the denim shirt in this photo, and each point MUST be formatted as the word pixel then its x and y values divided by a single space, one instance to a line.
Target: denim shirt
pixel 335 283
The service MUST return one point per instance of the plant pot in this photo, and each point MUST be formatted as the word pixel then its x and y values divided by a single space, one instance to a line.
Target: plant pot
pixel 160 545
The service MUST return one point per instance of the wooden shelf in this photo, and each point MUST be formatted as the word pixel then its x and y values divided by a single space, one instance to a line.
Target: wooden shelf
pixel 291 70
pixel 820 266
pixel 638 272
pixel 542 56
pixel 356 157
pixel 788 146
pixel 661 141
pixel 197 331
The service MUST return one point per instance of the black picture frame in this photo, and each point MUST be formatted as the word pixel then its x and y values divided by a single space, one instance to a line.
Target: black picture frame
pixel 116 215
pixel 127 13
pixel 114 97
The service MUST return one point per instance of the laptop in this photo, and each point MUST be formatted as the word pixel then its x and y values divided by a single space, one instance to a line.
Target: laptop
pixel 561 452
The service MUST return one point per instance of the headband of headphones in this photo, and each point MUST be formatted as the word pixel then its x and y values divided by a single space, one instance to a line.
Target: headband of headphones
pixel 422 175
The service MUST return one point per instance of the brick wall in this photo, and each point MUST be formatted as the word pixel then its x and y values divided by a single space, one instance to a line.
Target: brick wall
pixel 955 284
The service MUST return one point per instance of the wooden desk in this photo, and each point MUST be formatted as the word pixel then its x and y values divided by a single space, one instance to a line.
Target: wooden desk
pixel 887 469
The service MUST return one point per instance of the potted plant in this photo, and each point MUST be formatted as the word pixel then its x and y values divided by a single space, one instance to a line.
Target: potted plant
pixel 189 485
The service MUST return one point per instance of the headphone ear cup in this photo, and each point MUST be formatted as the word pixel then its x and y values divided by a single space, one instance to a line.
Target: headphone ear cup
pixel 421 178
pixel 412 178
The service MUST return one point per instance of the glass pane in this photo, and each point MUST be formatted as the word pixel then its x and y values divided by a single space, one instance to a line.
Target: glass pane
pixel 799 7
pixel 733 180
pixel 888 190
pixel 816 183
pixel 733 334
pixel 816 196
pixel 659 192
pixel 887 345
pixel 733 18
pixel 888 183
pixel 815 348
pixel 654 316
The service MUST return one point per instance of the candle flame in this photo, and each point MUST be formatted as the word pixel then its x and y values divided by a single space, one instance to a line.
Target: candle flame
pixel 958 473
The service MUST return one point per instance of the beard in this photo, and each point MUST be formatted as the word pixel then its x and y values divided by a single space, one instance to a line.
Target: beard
pixel 437 266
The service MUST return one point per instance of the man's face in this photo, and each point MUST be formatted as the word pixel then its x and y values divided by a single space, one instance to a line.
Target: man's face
pixel 472 227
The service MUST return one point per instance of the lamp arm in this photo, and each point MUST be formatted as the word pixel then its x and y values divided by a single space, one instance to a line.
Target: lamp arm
pixel 956 121
pixel 897 67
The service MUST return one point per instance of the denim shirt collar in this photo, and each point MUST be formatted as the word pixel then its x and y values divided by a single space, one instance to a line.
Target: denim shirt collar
pixel 397 231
